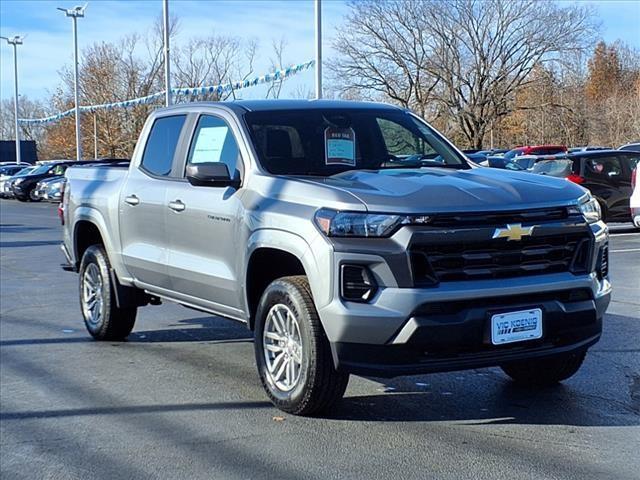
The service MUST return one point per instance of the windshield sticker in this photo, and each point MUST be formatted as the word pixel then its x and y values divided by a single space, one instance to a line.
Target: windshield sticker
pixel 340 146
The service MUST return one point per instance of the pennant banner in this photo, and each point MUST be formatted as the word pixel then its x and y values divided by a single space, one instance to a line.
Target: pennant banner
pixel 181 92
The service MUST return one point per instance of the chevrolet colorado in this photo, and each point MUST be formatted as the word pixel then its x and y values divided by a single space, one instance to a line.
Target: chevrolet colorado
pixel 350 237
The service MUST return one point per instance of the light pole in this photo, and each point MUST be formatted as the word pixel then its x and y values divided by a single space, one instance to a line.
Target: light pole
pixel 318 17
pixel 95 135
pixel 15 41
pixel 75 13
pixel 167 79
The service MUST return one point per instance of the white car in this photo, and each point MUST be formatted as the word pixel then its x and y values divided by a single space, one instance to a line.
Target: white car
pixel 635 197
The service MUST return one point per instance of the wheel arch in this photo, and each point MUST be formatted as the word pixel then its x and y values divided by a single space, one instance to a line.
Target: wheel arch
pixel 273 254
pixel 90 228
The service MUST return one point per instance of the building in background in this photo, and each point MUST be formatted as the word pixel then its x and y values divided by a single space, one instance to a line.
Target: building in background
pixel 28 151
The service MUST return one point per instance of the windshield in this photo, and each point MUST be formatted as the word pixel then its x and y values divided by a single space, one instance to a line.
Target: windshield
pixel 25 171
pixel 41 169
pixel 555 168
pixel 325 142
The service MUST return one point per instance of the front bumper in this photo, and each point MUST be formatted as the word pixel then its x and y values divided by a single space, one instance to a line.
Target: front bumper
pixel 456 335
pixel 406 329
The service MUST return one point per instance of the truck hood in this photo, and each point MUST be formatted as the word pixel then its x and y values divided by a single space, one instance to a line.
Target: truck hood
pixel 431 190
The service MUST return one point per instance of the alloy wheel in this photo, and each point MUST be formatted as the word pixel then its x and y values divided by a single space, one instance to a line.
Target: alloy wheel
pixel 92 302
pixel 282 345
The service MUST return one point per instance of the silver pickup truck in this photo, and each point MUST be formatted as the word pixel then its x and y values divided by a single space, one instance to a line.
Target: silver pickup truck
pixel 350 237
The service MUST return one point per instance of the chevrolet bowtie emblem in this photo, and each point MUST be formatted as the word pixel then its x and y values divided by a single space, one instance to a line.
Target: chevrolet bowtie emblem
pixel 513 231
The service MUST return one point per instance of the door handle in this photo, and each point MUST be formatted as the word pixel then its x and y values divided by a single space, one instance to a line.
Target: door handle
pixel 177 206
pixel 132 200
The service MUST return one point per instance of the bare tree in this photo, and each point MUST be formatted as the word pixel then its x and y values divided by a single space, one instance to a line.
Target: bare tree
pixel 27 108
pixel 468 56
pixel 277 63
pixel 386 52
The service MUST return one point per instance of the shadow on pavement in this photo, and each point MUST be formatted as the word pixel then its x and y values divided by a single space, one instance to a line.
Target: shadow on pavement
pixel 133 409
pixel 34 243
pixel 18 228
pixel 203 329
pixel 501 404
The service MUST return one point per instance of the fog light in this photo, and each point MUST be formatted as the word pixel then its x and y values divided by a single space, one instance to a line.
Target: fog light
pixel 358 284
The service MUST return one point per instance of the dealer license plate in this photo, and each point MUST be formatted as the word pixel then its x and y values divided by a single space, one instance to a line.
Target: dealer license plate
pixel 516 326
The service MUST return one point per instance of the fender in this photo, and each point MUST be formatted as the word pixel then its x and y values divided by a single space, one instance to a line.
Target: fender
pixel 92 215
pixel 316 266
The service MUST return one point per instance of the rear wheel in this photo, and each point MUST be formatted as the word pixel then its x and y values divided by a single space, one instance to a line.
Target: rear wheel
pixel 102 316
pixel 545 371
pixel 292 352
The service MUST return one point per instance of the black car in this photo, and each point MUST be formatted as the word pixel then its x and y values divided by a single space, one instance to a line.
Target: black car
pixel 634 147
pixel 24 186
pixel 606 173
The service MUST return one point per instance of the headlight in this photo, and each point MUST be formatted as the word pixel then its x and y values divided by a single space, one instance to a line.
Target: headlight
pixel 55 185
pixel 18 181
pixel 590 208
pixel 354 224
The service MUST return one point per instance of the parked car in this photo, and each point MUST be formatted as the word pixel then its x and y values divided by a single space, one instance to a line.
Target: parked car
pixel 7 184
pixel 22 164
pixel 506 163
pixel 633 147
pixel 7 172
pixel 476 157
pixel 23 187
pixel 49 189
pixel 587 148
pixel 494 151
pixel 535 150
pixel 605 173
pixel 634 201
pixel 343 249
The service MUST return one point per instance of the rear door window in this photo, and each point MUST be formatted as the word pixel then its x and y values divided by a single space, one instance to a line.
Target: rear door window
pixel 160 149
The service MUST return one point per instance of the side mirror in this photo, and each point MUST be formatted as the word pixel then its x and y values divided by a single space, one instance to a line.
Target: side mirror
pixel 210 174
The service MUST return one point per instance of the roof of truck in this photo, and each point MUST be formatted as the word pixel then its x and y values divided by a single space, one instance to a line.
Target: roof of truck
pixel 241 106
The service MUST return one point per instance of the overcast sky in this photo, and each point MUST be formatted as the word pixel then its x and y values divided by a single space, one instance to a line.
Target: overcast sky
pixel 48 43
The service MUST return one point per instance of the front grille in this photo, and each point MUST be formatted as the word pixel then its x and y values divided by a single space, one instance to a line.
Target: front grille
pixel 458 220
pixel 498 258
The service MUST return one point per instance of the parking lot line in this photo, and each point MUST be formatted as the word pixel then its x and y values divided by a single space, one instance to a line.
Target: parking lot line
pixel 626 250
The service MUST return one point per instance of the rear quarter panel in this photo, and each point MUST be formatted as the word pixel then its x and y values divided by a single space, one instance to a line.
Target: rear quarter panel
pixel 93 194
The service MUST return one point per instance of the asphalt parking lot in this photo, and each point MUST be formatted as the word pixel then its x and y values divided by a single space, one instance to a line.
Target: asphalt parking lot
pixel 182 399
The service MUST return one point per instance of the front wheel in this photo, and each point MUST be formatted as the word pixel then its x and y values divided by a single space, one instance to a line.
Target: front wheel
pixel 102 316
pixel 292 352
pixel 33 197
pixel 545 371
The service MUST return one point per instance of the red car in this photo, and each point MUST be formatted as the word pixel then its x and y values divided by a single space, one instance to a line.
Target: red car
pixel 536 150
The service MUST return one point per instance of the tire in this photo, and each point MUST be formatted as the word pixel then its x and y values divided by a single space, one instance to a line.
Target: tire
pixel 32 198
pixel 545 371
pixel 313 383
pixel 104 321
pixel 22 199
